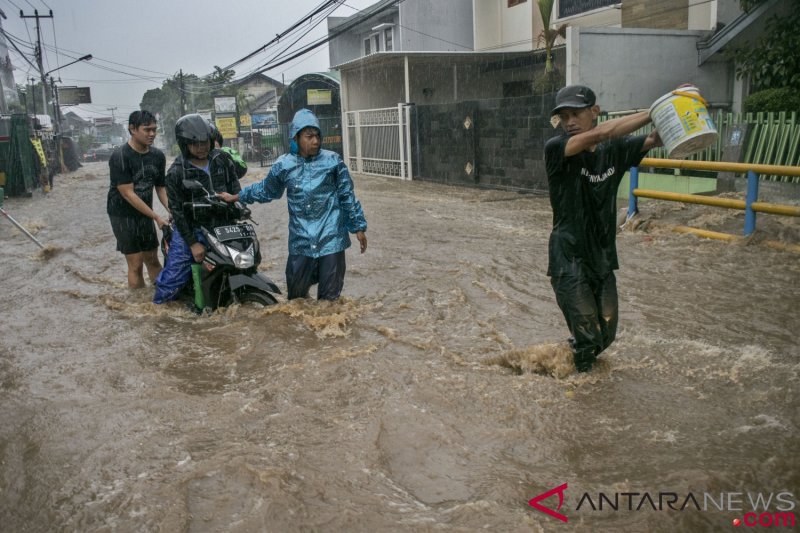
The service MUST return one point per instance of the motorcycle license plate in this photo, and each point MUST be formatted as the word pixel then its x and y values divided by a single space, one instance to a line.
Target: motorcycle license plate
pixel 240 231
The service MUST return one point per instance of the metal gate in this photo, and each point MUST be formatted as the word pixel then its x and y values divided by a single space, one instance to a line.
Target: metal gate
pixel 377 141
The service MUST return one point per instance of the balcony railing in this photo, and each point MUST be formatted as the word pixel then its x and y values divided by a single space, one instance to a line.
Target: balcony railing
pixel 569 8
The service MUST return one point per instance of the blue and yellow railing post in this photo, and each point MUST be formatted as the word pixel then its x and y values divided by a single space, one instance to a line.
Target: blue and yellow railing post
pixel 750 205
pixel 633 204
pixel 752 196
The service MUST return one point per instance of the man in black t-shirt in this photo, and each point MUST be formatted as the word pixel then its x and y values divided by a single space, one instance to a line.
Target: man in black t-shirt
pixel 136 168
pixel 585 165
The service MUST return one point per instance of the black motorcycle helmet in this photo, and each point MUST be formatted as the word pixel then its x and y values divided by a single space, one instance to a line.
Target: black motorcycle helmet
pixel 216 135
pixel 191 129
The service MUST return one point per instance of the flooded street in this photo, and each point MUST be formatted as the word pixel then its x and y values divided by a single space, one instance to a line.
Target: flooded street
pixel 420 401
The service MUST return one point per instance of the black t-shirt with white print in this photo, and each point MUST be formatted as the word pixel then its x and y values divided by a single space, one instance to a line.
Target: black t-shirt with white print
pixel 583 195
pixel 144 171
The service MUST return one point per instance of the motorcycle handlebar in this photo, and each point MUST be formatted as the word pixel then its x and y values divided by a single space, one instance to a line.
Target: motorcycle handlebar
pixel 237 210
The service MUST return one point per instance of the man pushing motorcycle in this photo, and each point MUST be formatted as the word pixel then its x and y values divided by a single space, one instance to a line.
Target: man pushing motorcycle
pixel 201 162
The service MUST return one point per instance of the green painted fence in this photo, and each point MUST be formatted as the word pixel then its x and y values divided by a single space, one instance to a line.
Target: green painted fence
pixel 772 139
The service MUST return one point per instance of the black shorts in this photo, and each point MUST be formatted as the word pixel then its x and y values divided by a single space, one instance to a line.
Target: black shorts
pixel 134 234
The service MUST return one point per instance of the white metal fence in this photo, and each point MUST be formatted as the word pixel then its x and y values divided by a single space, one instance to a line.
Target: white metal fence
pixel 377 141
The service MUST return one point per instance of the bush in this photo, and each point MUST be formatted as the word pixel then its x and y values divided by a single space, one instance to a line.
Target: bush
pixel 773 100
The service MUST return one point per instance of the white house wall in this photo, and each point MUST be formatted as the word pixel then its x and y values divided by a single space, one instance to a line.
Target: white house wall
pixel 727 11
pixel 630 68
pixel 704 15
pixel 344 47
pixel 432 80
pixel 438 25
pixel 373 87
pixel 502 28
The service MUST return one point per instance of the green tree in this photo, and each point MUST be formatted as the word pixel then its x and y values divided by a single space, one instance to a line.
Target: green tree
pixel 222 76
pixel 772 61
pixel 195 93
pixel 153 100
pixel 548 35
pixel 552 79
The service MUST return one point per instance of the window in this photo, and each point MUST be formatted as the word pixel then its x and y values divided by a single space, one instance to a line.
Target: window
pixel 387 40
pixel 372 44
pixel 568 8
pixel 512 3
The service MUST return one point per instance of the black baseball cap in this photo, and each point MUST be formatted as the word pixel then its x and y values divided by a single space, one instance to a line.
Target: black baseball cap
pixel 574 96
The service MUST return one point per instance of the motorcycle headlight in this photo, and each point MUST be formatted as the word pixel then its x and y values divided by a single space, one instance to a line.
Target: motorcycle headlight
pixel 244 259
pixel 224 250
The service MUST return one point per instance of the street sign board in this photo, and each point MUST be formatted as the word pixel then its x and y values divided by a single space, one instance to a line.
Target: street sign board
pixel 245 122
pixel 225 104
pixel 227 127
pixel 319 96
pixel 74 95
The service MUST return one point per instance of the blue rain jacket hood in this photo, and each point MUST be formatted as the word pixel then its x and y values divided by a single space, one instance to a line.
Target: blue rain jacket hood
pixel 323 209
pixel 302 119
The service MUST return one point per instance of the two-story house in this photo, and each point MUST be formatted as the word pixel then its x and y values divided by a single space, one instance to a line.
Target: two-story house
pixel 260 93
pixel 659 44
pixel 425 52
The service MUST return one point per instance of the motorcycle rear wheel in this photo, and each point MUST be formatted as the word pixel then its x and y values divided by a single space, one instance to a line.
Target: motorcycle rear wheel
pixel 256 297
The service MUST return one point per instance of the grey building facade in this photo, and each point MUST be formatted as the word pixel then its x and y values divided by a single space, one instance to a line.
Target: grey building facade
pixel 408 26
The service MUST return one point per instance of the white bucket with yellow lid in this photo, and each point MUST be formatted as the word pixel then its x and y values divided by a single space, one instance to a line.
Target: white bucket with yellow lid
pixel 683 122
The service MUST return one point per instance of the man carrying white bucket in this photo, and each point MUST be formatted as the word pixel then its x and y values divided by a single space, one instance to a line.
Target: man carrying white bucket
pixel 585 165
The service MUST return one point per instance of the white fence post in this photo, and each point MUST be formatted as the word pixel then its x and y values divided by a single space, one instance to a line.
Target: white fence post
pixel 401 138
pixel 407 109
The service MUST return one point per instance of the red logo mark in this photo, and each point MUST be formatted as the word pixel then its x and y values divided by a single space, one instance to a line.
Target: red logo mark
pixel 534 502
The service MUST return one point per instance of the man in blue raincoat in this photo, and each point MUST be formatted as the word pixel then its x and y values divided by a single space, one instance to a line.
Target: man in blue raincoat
pixel 323 210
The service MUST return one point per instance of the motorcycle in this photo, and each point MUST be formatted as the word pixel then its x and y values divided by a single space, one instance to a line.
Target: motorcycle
pixel 229 272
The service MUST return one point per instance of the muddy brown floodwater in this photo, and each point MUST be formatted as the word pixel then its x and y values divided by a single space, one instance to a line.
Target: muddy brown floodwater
pixel 423 400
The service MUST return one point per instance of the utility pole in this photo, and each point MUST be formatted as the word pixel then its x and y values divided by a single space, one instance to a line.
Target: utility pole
pixel 3 106
pixel 57 124
pixel 183 95
pixel 33 96
pixel 37 16
pixel 112 109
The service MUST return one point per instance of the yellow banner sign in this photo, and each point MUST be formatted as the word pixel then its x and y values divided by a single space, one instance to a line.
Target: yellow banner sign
pixel 37 145
pixel 227 127
pixel 244 121
pixel 318 96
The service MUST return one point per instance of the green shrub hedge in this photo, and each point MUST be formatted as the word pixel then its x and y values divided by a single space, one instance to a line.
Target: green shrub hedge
pixel 773 100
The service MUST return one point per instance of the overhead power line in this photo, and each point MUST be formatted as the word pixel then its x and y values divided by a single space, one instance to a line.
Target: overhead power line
pixel 18 50
pixel 344 28
pixel 279 36
pixel 302 33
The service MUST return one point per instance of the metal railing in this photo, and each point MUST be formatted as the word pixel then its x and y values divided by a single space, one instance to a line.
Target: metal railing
pixel 377 141
pixel 762 138
pixel 750 204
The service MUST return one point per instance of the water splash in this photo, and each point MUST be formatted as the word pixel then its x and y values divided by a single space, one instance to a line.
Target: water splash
pixel 550 359
pixel 48 252
pixel 325 318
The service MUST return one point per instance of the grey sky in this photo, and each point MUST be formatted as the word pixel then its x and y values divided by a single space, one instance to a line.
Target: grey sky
pixel 160 36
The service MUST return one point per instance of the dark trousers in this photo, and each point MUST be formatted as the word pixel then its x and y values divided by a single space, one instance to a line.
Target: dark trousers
pixel 177 267
pixel 591 308
pixel 302 272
